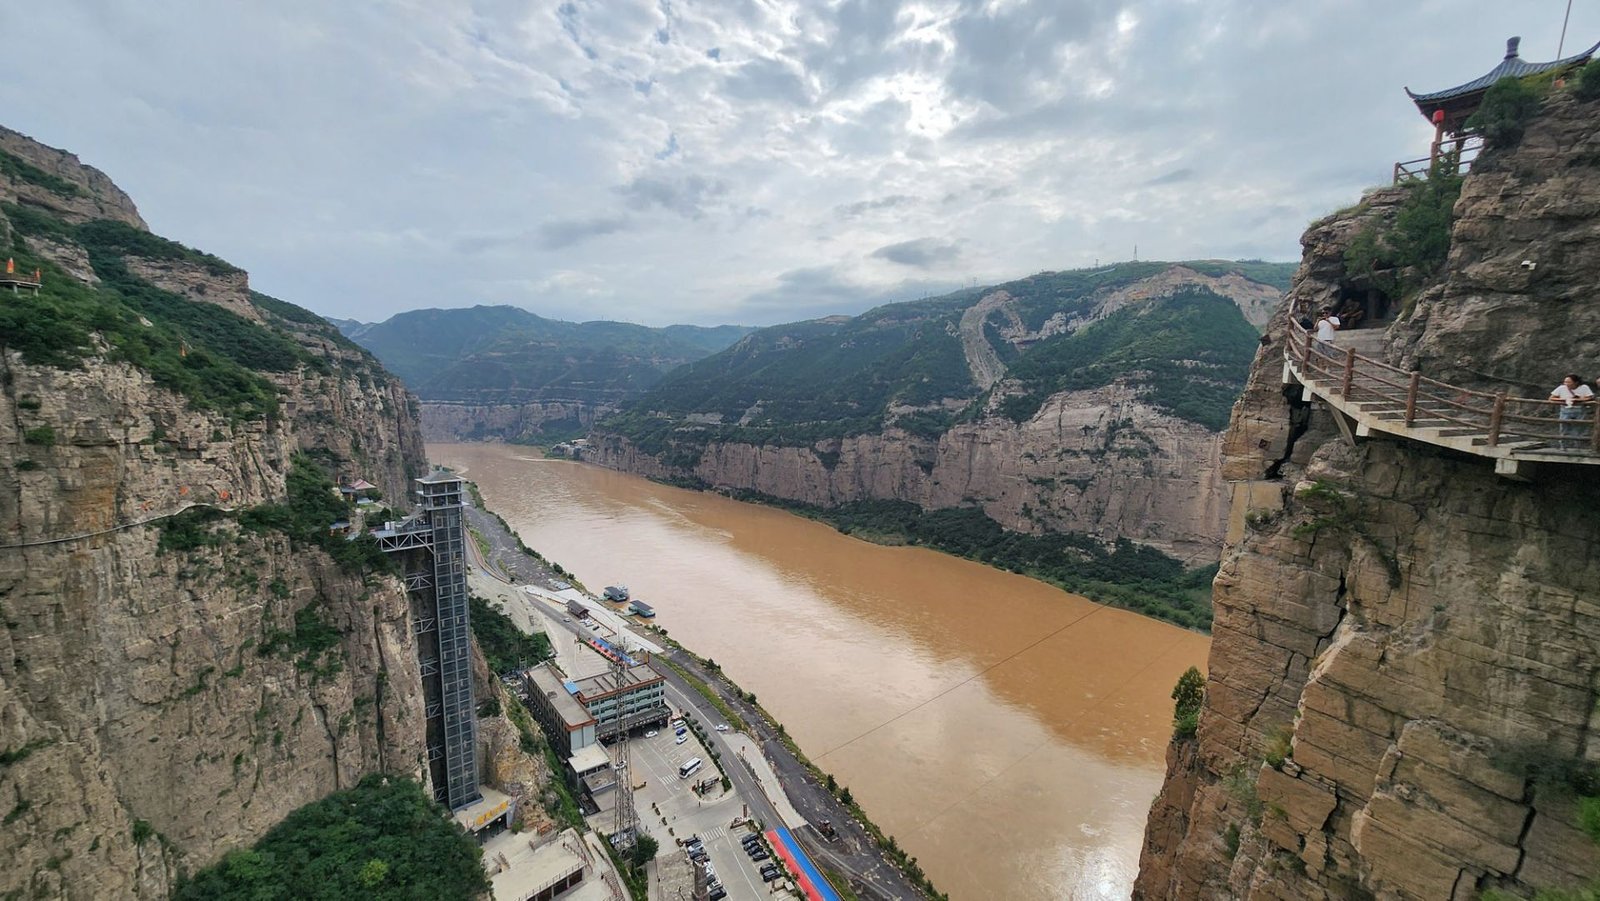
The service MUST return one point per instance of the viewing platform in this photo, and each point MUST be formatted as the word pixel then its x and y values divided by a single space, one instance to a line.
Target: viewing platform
pixel 21 281
pixel 1369 397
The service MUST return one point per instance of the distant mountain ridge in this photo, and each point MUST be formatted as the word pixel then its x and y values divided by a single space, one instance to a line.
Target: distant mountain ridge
pixel 501 372
pixel 500 354
pixel 1086 401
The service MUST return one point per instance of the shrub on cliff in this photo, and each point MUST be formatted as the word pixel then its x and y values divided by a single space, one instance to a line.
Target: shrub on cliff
pixel 504 646
pixel 1401 258
pixel 1188 695
pixel 311 508
pixel 1504 113
pixel 382 839
pixel 1587 85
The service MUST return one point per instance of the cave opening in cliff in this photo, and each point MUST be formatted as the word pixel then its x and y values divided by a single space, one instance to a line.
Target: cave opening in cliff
pixel 1363 306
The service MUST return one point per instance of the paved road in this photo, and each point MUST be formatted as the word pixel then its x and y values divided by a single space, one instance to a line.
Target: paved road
pixel 852 853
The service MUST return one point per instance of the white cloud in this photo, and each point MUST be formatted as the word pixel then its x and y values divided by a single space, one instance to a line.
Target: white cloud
pixel 734 160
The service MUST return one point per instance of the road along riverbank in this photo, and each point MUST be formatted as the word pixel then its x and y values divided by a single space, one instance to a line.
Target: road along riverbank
pixel 764 766
pixel 1009 735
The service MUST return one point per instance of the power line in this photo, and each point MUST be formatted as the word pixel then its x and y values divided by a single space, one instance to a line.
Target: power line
pixel 983 672
pixel 1031 751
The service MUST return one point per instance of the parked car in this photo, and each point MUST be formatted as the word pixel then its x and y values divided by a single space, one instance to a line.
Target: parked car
pixel 718 893
pixel 680 739
pixel 759 854
pixel 769 875
pixel 651 734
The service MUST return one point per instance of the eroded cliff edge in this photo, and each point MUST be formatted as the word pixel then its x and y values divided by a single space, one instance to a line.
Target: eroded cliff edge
pixel 171 690
pixel 1404 641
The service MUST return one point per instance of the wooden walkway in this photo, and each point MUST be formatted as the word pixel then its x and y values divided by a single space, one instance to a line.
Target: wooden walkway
pixel 1370 396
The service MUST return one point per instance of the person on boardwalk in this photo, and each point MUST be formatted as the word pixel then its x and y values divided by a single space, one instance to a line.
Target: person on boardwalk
pixel 1573 396
pixel 1327 324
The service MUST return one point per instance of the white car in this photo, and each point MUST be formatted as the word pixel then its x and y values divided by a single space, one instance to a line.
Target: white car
pixel 681 739
pixel 651 734
pixel 722 727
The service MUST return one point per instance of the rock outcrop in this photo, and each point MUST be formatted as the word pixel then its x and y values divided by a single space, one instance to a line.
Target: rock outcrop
pixel 1401 701
pixel 1101 462
pixel 170 688
pixel 526 422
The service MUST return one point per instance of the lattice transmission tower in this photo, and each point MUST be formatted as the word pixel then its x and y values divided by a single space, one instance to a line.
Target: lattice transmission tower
pixel 622 835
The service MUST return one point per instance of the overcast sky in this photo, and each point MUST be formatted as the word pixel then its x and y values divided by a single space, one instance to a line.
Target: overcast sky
pixel 746 161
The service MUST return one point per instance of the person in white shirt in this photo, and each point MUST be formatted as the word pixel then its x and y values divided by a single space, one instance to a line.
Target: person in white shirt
pixel 1327 325
pixel 1573 395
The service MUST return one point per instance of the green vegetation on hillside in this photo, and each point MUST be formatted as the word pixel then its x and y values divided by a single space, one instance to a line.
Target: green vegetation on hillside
pixel 313 505
pixel 903 365
pixel 202 351
pixel 1190 352
pixel 508 355
pixel 1123 574
pixel 1405 256
pixel 504 646
pixel 13 166
pixel 382 839
pixel 207 353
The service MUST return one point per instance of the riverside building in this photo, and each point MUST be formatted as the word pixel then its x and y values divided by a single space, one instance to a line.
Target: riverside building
pixel 578 715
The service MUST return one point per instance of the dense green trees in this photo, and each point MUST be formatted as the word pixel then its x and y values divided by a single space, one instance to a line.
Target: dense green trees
pixel 1191 352
pixel 505 646
pixel 1123 574
pixel 312 506
pixel 383 839
pixel 209 354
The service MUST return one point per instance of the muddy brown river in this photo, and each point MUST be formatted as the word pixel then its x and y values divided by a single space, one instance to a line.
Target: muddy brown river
pixel 1009 735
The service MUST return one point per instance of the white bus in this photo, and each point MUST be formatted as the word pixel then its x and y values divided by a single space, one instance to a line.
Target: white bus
pixel 689 768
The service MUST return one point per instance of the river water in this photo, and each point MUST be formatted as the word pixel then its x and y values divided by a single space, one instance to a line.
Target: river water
pixel 1009 735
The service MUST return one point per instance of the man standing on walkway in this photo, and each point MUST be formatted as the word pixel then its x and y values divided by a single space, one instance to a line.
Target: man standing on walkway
pixel 1327 324
pixel 1573 396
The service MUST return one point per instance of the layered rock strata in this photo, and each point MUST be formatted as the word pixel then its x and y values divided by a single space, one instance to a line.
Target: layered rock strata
pixel 1101 462
pixel 1401 700
pixel 172 688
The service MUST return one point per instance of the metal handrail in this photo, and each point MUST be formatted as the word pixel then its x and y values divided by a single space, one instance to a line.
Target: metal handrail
pixel 1492 417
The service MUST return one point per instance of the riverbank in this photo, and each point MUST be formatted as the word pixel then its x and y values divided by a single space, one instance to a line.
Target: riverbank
pixel 1123 574
pixel 865 863
pixel 1007 734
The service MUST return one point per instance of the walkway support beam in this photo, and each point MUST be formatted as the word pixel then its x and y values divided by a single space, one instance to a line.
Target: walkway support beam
pixel 1497 418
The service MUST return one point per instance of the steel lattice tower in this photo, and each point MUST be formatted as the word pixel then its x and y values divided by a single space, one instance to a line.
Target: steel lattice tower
pixel 622 836
pixel 431 546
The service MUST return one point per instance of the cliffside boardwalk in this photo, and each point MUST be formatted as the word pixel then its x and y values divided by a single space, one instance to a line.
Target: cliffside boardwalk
pixel 1369 396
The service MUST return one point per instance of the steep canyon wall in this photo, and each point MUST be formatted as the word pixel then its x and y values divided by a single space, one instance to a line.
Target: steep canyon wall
pixel 171 688
pixel 1101 462
pixel 1403 671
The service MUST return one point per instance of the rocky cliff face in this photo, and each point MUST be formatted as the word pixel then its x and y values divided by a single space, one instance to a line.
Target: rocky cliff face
pixel 529 422
pixel 172 688
pixel 1101 462
pixel 1401 700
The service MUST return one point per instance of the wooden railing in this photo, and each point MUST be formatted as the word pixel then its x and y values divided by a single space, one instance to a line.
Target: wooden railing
pixel 1438 410
pixel 1453 155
